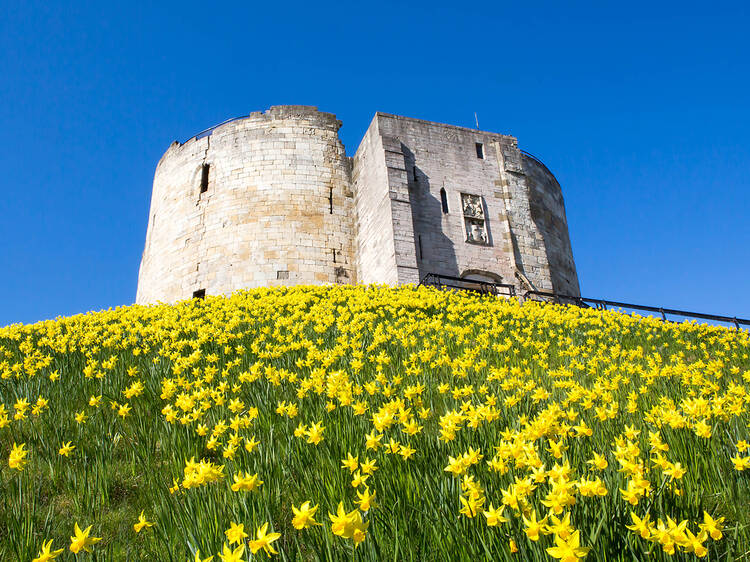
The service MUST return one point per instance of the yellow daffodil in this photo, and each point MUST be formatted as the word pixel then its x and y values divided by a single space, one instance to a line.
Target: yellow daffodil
pixel 366 498
pixel 142 523
pixel 46 553
pixel 532 527
pixel 199 559
pixel 66 449
pixel 229 555
pixel 81 540
pixel 236 533
pixel 568 550
pixel 18 457
pixel 246 482
pixel 494 516
pixel 712 526
pixel 304 516
pixel 263 540
pixel 348 525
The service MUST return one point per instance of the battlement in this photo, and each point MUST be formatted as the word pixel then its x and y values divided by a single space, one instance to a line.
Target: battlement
pixel 306 112
pixel 271 198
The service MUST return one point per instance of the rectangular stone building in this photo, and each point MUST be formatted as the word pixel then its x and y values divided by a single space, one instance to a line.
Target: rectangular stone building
pixel 435 198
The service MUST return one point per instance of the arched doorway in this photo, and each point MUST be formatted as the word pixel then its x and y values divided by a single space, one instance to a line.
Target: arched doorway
pixel 481 275
pixel 486 280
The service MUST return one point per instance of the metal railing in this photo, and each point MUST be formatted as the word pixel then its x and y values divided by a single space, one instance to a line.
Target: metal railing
pixel 207 132
pixel 507 290
pixel 535 159
pixel 601 304
pixel 462 284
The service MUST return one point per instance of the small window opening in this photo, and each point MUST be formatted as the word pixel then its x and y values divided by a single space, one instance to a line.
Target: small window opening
pixel 330 200
pixel 480 150
pixel 282 274
pixel 414 173
pixel 419 240
pixel 199 294
pixel 444 200
pixel 204 177
pixel 334 256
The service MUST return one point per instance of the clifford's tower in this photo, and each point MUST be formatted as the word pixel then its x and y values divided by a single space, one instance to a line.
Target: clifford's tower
pixel 272 198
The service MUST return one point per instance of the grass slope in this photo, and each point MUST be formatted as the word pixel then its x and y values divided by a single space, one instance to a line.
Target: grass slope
pixel 481 415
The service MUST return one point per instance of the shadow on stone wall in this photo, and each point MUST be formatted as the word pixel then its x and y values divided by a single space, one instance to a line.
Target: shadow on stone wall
pixel 434 249
pixel 548 213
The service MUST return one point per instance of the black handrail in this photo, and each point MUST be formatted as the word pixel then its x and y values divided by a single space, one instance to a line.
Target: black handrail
pixel 535 159
pixel 461 283
pixel 206 132
pixel 603 304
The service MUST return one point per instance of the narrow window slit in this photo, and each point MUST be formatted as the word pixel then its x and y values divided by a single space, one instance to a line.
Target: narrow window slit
pixel 444 200
pixel 330 200
pixel 480 150
pixel 419 239
pixel 204 177
pixel 334 256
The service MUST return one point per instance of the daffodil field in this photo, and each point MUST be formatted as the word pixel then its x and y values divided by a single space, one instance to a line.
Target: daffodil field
pixel 372 423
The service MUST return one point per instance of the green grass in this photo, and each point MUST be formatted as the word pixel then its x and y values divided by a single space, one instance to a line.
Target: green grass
pixel 313 339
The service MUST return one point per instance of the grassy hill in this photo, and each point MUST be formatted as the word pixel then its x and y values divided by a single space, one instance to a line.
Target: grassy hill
pixel 419 425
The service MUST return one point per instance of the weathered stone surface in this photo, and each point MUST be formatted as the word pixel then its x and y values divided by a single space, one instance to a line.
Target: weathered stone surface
pixel 283 204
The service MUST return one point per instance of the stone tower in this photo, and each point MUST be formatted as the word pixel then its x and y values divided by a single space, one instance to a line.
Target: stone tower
pixel 258 201
pixel 272 199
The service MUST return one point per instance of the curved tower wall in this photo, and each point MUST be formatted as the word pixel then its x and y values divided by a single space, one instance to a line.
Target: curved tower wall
pixel 277 208
pixel 548 214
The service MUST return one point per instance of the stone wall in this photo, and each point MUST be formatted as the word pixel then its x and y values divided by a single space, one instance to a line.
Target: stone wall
pixel 527 242
pixel 429 166
pixel 278 208
pixel 548 214
pixel 375 249
pixel 436 157
pixel 272 199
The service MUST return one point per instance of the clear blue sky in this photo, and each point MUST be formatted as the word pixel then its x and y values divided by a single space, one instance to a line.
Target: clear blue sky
pixel 642 112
